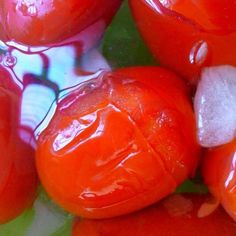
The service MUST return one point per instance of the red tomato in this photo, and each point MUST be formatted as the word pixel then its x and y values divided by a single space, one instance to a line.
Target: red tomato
pixel 219 171
pixel 49 22
pixel 178 215
pixel 186 35
pixel 7 82
pixel 18 178
pixel 119 143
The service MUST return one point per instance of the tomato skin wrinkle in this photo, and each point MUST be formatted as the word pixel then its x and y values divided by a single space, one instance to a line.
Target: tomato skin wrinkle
pixel 18 177
pixel 43 23
pixel 187 35
pixel 219 170
pixel 119 146
pixel 177 215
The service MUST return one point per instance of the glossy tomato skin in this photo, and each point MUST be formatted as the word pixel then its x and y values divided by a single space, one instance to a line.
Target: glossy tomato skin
pixel 50 22
pixel 178 215
pixel 219 171
pixel 119 143
pixel 18 177
pixel 186 36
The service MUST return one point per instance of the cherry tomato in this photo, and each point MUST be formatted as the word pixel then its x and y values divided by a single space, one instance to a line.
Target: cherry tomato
pixel 119 143
pixel 178 215
pixel 186 35
pixel 219 171
pixel 18 178
pixel 38 23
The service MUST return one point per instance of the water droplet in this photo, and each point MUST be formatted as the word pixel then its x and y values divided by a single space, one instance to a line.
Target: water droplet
pixel 9 60
pixel 32 10
pixel 87 195
pixel 89 86
pixel 199 53
pixel 27 7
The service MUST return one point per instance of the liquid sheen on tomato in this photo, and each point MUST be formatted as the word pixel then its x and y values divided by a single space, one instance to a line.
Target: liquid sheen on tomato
pixel 187 35
pixel 43 23
pixel 18 177
pixel 119 143
pixel 219 171
pixel 177 215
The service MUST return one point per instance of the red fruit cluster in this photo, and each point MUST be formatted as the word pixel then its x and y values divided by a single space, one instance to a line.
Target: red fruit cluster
pixel 124 139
